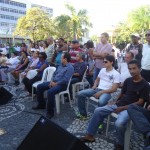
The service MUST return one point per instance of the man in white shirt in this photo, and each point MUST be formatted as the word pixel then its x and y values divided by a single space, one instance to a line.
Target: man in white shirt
pixel 8 66
pixel 107 82
pixel 145 63
pixel 123 67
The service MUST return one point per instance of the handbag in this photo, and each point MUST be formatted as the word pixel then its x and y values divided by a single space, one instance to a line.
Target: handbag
pixel 31 74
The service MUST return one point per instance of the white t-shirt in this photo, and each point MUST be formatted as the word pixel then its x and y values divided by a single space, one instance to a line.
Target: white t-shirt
pixel 108 78
pixel 41 49
pixel 146 57
pixel 124 71
pixel 4 50
pixel 14 61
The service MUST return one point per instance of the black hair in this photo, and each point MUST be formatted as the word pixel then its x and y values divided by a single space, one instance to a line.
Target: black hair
pixel 15 53
pixel 67 56
pixel 46 43
pixel 135 62
pixel 25 53
pixel 81 46
pixel 89 44
pixel 61 39
pixel 110 58
pixel 43 55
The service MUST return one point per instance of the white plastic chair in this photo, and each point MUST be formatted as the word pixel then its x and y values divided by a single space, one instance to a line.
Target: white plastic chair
pixel 60 97
pixel 76 86
pixel 127 132
pixel 47 76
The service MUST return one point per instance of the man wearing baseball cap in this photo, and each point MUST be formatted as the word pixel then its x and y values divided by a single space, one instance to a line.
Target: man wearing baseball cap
pixel 135 47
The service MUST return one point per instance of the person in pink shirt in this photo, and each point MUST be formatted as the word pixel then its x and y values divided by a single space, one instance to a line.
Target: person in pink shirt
pixel 102 50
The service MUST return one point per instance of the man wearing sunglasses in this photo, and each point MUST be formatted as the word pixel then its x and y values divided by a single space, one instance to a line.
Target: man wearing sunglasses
pixel 146 58
pixel 107 82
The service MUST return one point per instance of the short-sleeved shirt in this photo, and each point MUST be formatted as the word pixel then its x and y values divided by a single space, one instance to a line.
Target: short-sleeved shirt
pixel 80 68
pixel 39 65
pixel 73 53
pixel 133 91
pixel 102 48
pixel 108 78
pixel 146 57
pixel 136 50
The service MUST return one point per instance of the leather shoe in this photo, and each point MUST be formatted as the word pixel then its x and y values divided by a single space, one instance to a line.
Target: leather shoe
pixel 38 107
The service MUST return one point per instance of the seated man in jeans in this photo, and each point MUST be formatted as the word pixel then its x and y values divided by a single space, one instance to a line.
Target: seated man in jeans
pixel 135 90
pixel 59 83
pixel 106 83
pixel 79 69
pixel 141 119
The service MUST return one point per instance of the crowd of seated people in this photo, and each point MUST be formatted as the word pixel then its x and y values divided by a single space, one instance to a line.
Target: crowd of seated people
pixel 129 80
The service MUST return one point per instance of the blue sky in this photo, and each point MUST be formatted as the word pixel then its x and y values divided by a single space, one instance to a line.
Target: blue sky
pixel 103 13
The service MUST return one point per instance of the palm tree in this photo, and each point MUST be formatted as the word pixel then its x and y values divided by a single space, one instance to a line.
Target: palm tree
pixel 72 25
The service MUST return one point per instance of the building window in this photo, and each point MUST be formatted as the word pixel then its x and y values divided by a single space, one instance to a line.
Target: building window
pixel 13 3
pixel 8 17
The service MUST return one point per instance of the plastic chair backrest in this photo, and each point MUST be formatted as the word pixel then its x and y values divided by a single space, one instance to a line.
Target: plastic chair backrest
pixel 69 83
pixel 51 71
pixel 84 75
pixel 45 73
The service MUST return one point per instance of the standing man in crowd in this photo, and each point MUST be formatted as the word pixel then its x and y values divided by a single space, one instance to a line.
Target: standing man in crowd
pixel 75 49
pixel 102 49
pixel 146 58
pixel 61 46
pixel 135 47
pixel 50 50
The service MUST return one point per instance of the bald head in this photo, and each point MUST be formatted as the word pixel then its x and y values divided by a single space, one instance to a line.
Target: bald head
pixel 128 57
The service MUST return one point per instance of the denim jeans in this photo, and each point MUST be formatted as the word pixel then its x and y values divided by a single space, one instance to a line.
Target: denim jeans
pixel 82 95
pixel 50 105
pixel 101 113
pixel 95 74
pixel 140 117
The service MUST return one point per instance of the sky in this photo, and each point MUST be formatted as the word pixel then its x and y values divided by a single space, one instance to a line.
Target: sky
pixel 104 14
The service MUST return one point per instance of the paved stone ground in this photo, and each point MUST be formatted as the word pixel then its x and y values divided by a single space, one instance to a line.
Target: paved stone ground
pixel 15 123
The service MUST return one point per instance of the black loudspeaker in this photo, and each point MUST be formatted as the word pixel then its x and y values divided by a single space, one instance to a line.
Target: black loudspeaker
pixel 5 96
pixel 46 135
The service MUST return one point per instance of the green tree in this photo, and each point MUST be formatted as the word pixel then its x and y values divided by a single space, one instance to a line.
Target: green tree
pixel 36 25
pixel 73 25
pixel 138 21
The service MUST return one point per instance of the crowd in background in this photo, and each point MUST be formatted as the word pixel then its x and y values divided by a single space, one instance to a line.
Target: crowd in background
pixel 108 70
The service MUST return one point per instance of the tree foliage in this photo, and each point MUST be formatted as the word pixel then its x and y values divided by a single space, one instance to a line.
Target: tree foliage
pixel 138 21
pixel 36 24
pixel 72 25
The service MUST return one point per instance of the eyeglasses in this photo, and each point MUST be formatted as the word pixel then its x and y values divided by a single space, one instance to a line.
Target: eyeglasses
pixel 105 62
pixel 40 57
pixel 147 34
